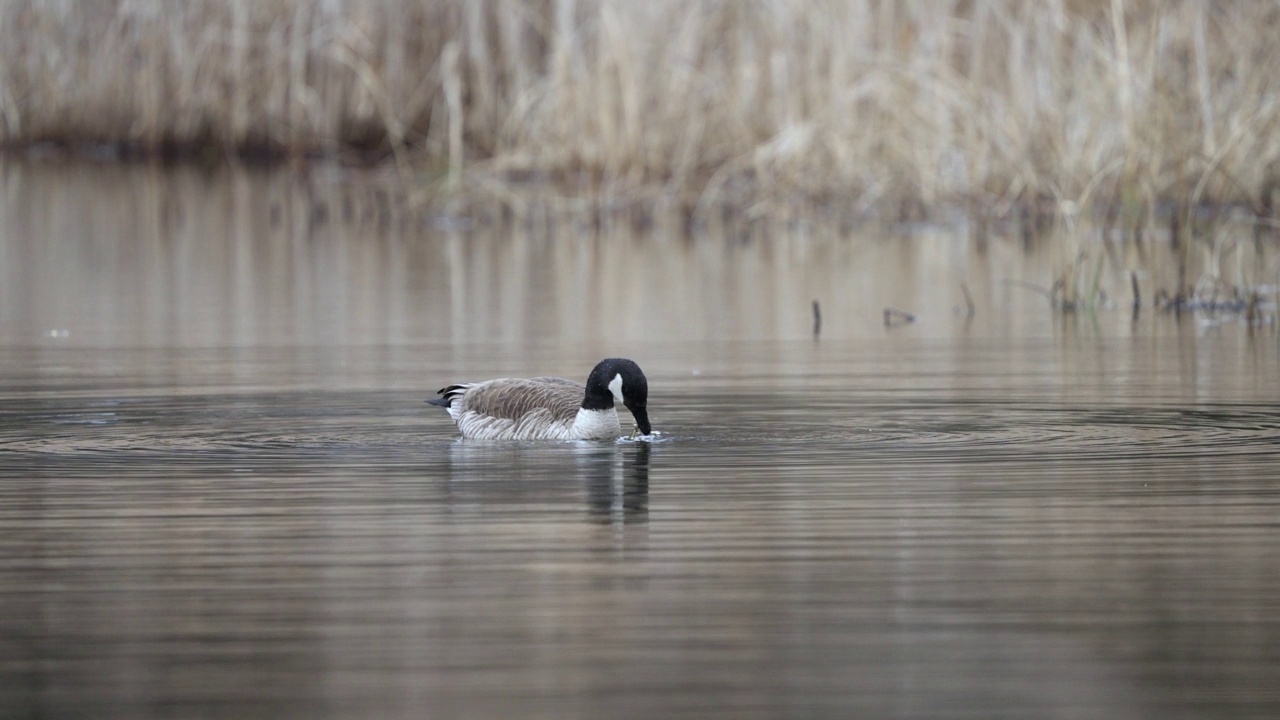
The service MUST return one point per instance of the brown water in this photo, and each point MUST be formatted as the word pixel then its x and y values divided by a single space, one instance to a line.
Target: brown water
pixel 221 494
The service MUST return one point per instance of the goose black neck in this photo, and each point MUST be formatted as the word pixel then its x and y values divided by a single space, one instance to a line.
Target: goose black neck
pixel 596 400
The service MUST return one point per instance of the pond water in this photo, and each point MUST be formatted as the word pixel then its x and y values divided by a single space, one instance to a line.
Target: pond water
pixel 222 495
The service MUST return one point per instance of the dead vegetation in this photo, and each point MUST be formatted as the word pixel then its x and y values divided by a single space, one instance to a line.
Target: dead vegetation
pixel 1058 106
pixel 1222 267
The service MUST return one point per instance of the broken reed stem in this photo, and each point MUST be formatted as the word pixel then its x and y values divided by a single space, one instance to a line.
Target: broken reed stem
pixel 968 301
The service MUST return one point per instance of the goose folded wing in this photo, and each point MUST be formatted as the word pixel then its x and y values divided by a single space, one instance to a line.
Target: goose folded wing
pixel 513 398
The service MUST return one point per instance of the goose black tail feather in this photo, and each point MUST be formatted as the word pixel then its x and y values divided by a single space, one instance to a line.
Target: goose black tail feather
pixel 447 395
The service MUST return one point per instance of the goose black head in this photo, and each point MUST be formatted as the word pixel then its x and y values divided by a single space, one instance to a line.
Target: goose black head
pixel 619 379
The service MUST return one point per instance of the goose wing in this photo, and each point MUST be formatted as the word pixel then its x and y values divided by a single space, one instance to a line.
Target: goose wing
pixel 513 398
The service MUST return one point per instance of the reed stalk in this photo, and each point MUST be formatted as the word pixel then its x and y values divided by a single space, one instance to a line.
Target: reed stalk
pixel 1084 102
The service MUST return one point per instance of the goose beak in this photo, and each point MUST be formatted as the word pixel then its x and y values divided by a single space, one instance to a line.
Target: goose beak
pixel 642 419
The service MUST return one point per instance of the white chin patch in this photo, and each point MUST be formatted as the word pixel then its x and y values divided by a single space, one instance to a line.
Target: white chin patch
pixel 615 387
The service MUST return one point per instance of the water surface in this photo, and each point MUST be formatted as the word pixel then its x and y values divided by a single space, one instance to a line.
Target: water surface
pixel 221 493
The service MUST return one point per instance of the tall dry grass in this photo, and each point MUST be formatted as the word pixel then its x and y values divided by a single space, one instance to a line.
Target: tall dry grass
pixel 998 101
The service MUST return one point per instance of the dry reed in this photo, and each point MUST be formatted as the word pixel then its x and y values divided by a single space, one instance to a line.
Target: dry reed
pixel 1060 102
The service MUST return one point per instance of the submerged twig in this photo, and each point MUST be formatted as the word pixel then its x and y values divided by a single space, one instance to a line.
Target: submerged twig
pixel 893 316
pixel 817 319
pixel 968 301
pixel 1214 295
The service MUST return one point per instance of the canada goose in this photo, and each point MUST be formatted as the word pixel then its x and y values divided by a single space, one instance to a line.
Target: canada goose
pixel 549 408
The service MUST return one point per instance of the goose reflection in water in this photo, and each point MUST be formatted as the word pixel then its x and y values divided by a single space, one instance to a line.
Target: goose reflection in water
pixel 619 493
pixel 615 477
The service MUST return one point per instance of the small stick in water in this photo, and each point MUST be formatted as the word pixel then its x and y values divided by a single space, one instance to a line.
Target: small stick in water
pixel 894 316
pixel 968 300
pixel 817 319
pixel 1137 295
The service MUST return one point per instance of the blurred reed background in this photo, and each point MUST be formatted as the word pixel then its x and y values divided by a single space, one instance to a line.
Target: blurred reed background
pixel 903 102
pixel 147 256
